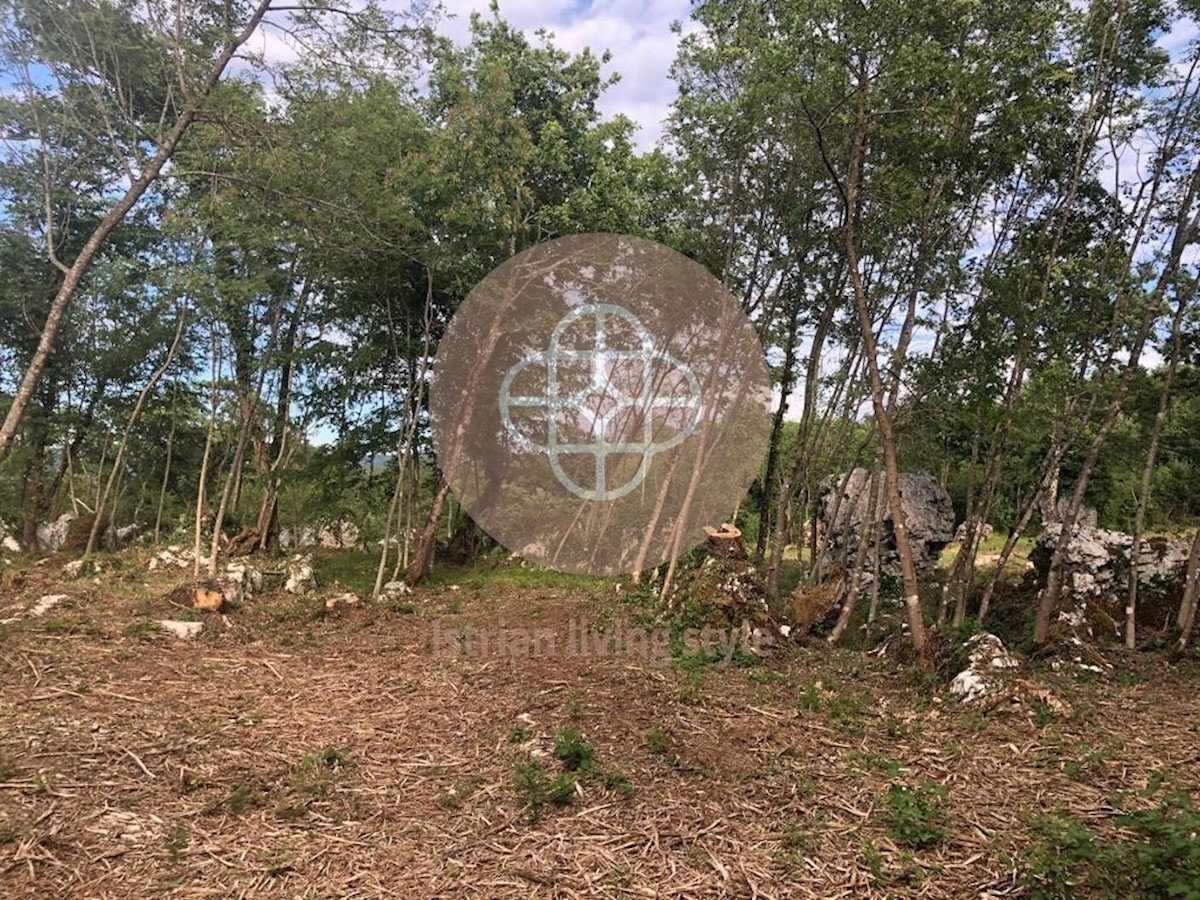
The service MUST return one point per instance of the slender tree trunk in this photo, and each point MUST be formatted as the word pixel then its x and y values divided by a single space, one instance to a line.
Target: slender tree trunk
pixel 908 570
pixel 162 493
pixel 235 468
pixel 871 536
pixel 1191 591
pixel 1144 486
pixel 134 416
pixel 786 381
pixel 202 482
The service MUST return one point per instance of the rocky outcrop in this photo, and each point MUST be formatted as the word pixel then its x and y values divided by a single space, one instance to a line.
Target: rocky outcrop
pixel 987 660
pixel 334 535
pixel 300 576
pixel 1097 573
pixel 53 537
pixel 985 532
pixel 844 502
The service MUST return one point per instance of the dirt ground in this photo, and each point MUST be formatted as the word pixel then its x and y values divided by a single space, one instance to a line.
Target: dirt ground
pixel 288 753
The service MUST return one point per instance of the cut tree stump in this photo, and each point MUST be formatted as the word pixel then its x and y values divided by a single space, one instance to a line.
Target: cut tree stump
pixel 244 543
pixel 203 596
pixel 725 542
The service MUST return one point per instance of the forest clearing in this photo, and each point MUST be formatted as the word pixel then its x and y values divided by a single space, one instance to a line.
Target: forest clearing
pixel 286 751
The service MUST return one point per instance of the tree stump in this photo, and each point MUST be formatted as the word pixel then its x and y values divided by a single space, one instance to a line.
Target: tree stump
pixel 725 542
pixel 244 543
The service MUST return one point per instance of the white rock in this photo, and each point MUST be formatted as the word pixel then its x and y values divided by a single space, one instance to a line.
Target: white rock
pixel 396 589
pixel 969 685
pixel 987 654
pixel 239 581
pixel 45 604
pixel 330 535
pixel 7 541
pixel 183 630
pixel 173 555
pixel 73 568
pixel 54 535
pixel 301 578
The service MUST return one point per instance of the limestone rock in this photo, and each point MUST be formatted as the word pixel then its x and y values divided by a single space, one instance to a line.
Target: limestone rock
pixel 127 533
pixel 843 502
pixel 45 604
pixel 174 555
pixel 240 580
pixel 987 658
pixel 54 536
pixel 335 534
pixel 1096 578
pixel 182 630
pixel 394 590
pixel 7 541
pixel 300 576
pixel 985 532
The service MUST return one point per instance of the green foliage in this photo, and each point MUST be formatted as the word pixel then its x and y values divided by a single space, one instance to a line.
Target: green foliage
pixel 518 734
pixel 658 742
pixel 1154 853
pixel 573 750
pixel 916 817
pixel 535 787
pixel 952 650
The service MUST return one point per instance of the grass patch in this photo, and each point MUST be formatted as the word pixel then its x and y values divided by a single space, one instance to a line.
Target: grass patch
pixel 241 798
pixel 143 628
pixel 9 770
pixel 354 570
pixel 660 745
pixel 572 749
pixel 458 793
pixel 176 841
pixel 518 734
pixel 536 787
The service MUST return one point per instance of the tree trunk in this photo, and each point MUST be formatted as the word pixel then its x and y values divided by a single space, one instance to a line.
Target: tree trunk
pixel 202 481
pixel 1143 495
pixel 134 416
pixel 1191 591
pixel 908 570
